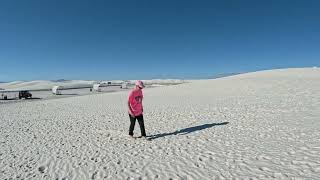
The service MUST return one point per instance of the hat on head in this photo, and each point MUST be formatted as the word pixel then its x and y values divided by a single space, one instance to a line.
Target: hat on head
pixel 140 84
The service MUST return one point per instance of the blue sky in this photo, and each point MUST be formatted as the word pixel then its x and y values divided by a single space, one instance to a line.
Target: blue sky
pixel 143 39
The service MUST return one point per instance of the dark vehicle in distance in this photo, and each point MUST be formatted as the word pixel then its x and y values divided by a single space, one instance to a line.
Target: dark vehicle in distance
pixel 25 94
pixel 5 97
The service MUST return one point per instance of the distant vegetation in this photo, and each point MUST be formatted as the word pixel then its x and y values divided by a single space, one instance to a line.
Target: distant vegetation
pixel 60 80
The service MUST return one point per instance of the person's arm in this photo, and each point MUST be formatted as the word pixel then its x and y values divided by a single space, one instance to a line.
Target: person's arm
pixel 141 101
pixel 129 106
pixel 130 109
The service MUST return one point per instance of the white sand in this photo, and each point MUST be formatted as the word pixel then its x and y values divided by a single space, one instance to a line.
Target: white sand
pixel 273 132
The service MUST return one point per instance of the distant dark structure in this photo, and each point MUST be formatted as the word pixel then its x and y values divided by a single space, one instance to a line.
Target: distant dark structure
pixel 25 94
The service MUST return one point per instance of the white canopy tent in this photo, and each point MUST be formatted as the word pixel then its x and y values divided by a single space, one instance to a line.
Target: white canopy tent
pixel 97 87
pixel 56 90
pixel 124 85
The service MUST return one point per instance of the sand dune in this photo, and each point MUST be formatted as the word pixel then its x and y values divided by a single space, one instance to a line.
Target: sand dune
pixel 42 85
pixel 47 85
pixel 261 125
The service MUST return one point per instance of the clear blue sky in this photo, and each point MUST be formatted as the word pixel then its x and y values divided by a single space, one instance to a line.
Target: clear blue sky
pixel 143 39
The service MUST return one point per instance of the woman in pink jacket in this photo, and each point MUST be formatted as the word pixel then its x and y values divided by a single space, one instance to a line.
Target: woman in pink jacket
pixel 135 108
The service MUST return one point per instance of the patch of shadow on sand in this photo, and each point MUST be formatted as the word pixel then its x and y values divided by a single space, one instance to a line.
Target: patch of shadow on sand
pixel 68 94
pixel 187 130
pixel 33 98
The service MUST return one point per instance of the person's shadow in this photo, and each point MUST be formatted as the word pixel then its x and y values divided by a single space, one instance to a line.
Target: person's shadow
pixel 187 130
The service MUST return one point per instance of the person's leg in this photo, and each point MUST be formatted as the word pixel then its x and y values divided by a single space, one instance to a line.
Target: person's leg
pixel 132 123
pixel 141 123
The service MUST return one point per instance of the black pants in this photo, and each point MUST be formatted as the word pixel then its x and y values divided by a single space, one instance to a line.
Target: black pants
pixel 133 122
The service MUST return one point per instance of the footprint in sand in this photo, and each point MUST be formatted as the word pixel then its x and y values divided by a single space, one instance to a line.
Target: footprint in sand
pixel 42 169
